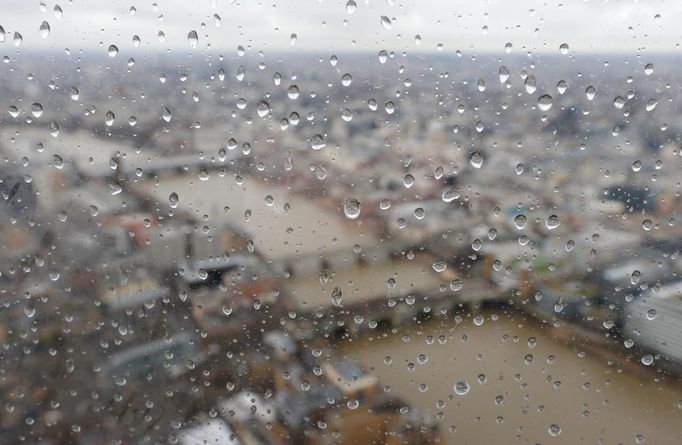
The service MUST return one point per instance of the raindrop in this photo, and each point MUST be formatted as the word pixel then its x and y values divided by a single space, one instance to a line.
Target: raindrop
pixel 263 108
pixel 337 296
pixel 351 208
pixel 530 84
pixel 552 222
pixel 37 109
pixel 561 86
pixel 408 181
pixel 44 30
pixel 166 115
pixel 439 266
pixel 173 200
pixel 590 92
pixel 504 74
pixel 113 50
pixel 647 224
pixel 554 430
pixel 545 102
pixel 476 159
pixel 635 277
pixel 461 388
pixel 563 48
pixel 647 359
pixel 293 92
pixel 351 6
pixel 317 142
pixel 193 39
pixel 520 221
pixel 386 22
pixel 109 118
pixel 649 69
pixel 346 80
pixel 18 39
pixel 481 85
pixel 618 102
pixel 383 56
pixel 450 195
pixel 241 72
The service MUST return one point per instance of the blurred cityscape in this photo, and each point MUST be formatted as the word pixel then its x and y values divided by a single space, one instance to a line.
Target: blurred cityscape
pixel 244 249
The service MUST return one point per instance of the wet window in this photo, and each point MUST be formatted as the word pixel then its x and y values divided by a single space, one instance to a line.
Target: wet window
pixel 340 222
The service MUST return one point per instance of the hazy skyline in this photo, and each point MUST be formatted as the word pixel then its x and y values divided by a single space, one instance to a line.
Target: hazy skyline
pixel 535 26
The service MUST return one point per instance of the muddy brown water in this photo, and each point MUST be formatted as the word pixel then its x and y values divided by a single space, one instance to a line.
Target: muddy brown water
pixel 592 400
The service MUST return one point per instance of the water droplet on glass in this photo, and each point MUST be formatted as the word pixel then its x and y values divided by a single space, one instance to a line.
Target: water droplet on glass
pixel 293 92
pixel 450 195
pixel 520 221
pixel 346 80
pixel 647 359
pixel 563 48
pixel 317 142
pixel 439 266
pixel 618 102
pixel 647 224
pixel 461 388
pixel 590 92
pixel 552 222
pixel 337 297
pixel 113 50
pixel 545 102
pixel 241 72
pixel 561 86
pixel 18 39
pixel 476 159
pixel 554 430
pixel 530 84
pixel 504 74
pixel 263 108
pixel 109 118
pixel 389 107
pixel 408 181
pixel 635 277
pixel 36 109
pixel 173 200
pixel 351 208
pixel 480 85
pixel 649 69
pixel 383 56
pixel 351 6
pixel 193 39
pixel 386 22
pixel 651 104
pixel 44 30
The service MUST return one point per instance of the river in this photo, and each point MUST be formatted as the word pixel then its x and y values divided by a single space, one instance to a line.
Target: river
pixel 520 397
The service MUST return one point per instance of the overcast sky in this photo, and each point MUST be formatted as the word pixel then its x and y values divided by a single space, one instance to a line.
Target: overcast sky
pixel 628 26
